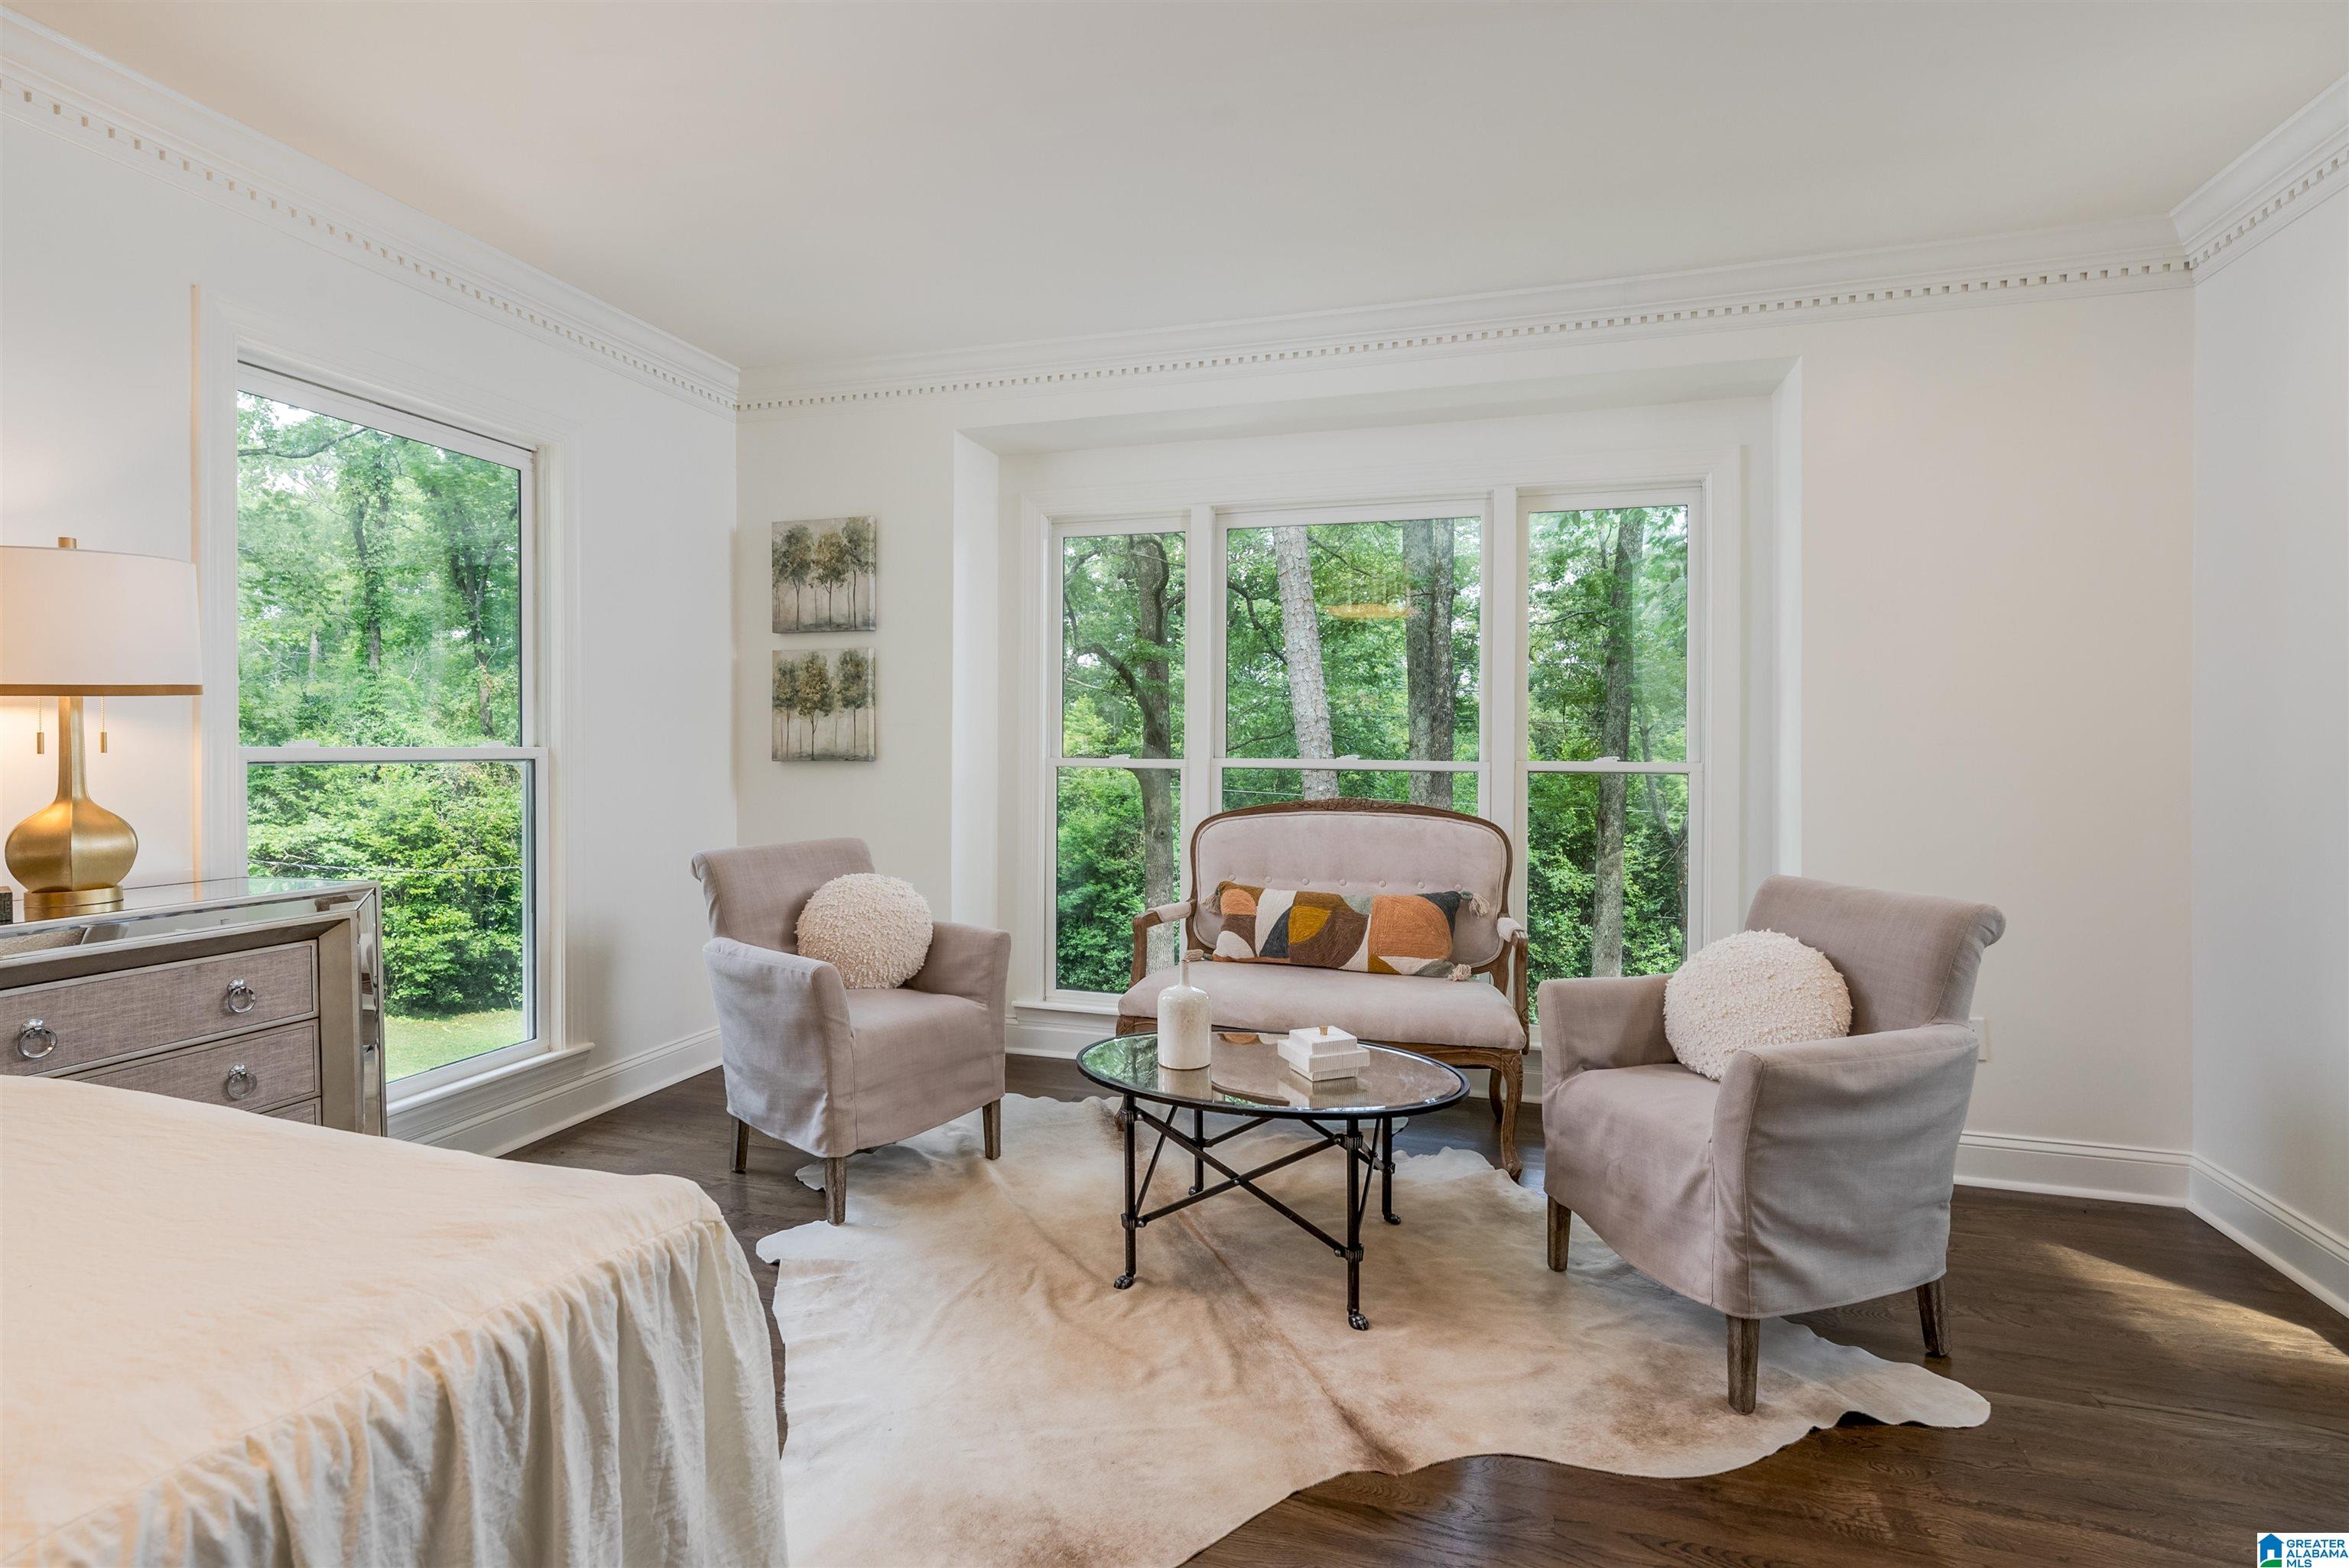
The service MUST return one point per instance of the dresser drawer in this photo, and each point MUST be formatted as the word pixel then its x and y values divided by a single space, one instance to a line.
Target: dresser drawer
pixel 306 1112
pixel 255 1071
pixel 90 1020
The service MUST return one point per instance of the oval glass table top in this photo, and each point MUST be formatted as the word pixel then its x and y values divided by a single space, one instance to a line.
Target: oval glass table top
pixel 1245 1073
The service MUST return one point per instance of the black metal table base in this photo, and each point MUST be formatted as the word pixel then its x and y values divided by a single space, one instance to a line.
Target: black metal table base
pixel 1365 1158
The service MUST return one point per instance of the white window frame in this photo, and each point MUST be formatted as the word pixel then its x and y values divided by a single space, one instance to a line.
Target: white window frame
pixel 1710 482
pixel 539 983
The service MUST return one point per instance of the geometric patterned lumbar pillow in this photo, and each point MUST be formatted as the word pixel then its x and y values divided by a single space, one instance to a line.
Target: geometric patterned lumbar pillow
pixel 1371 933
pixel 1756 988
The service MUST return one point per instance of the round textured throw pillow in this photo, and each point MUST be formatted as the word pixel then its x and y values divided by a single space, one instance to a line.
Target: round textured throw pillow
pixel 1756 988
pixel 874 930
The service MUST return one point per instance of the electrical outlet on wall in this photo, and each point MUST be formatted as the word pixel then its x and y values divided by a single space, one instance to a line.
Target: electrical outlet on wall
pixel 1980 1027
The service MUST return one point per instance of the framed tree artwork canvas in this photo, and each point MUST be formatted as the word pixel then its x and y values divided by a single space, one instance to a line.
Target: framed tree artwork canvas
pixel 823 706
pixel 822 575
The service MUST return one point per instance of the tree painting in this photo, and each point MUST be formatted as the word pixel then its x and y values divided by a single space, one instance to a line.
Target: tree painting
pixel 853 687
pixel 821 574
pixel 786 703
pixel 794 564
pixel 822 703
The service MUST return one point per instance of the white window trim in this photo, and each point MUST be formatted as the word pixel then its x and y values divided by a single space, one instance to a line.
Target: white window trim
pixel 1711 482
pixel 236 341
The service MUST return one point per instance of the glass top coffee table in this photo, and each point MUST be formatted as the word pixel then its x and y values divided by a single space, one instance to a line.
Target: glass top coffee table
pixel 1246 1077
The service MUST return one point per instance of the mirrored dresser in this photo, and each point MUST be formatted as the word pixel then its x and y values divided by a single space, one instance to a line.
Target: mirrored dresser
pixel 259 994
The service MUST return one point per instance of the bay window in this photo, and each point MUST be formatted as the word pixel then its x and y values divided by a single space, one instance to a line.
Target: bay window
pixel 1528 656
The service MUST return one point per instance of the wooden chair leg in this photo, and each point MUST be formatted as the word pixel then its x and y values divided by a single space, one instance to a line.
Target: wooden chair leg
pixel 741 1147
pixel 1561 1224
pixel 1934 1311
pixel 1513 1078
pixel 990 1123
pixel 835 1190
pixel 1494 1094
pixel 1744 1362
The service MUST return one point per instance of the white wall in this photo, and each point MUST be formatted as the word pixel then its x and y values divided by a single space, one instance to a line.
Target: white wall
pixel 1993 505
pixel 2271 741
pixel 98 260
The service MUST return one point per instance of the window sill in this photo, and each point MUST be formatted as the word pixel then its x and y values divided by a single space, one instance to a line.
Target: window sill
pixel 1102 1005
pixel 409 1106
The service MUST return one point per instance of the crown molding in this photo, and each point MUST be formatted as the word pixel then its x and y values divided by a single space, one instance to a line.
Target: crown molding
pixel 2286 173
pixel 57 86
pixel 2050 264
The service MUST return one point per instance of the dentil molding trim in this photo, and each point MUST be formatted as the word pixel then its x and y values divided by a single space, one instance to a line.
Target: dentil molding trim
pixel 51 82
pixel 2288 172
pixel 2124 257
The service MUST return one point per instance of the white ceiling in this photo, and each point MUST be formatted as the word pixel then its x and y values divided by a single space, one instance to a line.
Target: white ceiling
pixel 795 183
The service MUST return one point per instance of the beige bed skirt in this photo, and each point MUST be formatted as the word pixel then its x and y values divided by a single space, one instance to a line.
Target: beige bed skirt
pixel 235 1340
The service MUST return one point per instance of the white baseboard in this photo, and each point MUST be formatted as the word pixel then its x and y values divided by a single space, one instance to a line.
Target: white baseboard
pixel 2069 1168
pixel 2301 1248
pixel 1059 1032
pixel 502 1127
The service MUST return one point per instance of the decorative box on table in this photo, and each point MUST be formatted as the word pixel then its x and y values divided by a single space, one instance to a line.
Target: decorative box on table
pixel 1322 1053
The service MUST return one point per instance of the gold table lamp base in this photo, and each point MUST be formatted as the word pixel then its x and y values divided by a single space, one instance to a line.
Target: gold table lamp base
pixel 73 900
pixel 72 854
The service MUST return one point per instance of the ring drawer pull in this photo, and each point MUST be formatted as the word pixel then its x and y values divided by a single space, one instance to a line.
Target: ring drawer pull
pixel 34 1029
pixel 238 991
pixel 241 1081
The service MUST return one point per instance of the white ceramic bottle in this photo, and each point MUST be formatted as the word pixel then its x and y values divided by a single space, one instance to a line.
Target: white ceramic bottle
pixel 1184 1040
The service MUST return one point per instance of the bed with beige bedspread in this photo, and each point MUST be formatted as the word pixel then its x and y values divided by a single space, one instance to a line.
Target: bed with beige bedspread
pixel 230 1339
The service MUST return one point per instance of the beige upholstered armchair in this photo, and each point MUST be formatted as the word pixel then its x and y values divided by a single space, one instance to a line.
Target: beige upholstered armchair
pixel 1812 1175
pixel 831 1070
pixel 1360 846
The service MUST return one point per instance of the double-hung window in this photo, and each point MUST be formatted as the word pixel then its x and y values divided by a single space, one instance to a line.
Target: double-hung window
pixel 386 701
pixel 1610 755
pixel 1117 727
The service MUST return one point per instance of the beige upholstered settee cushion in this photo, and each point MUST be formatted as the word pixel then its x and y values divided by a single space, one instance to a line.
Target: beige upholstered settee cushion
pixel 1398 1009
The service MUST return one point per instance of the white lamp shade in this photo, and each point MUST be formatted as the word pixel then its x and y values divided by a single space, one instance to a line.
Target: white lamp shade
pixel 94 622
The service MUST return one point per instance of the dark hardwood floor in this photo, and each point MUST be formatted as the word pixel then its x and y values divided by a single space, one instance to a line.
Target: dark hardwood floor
pixel 2159 1396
